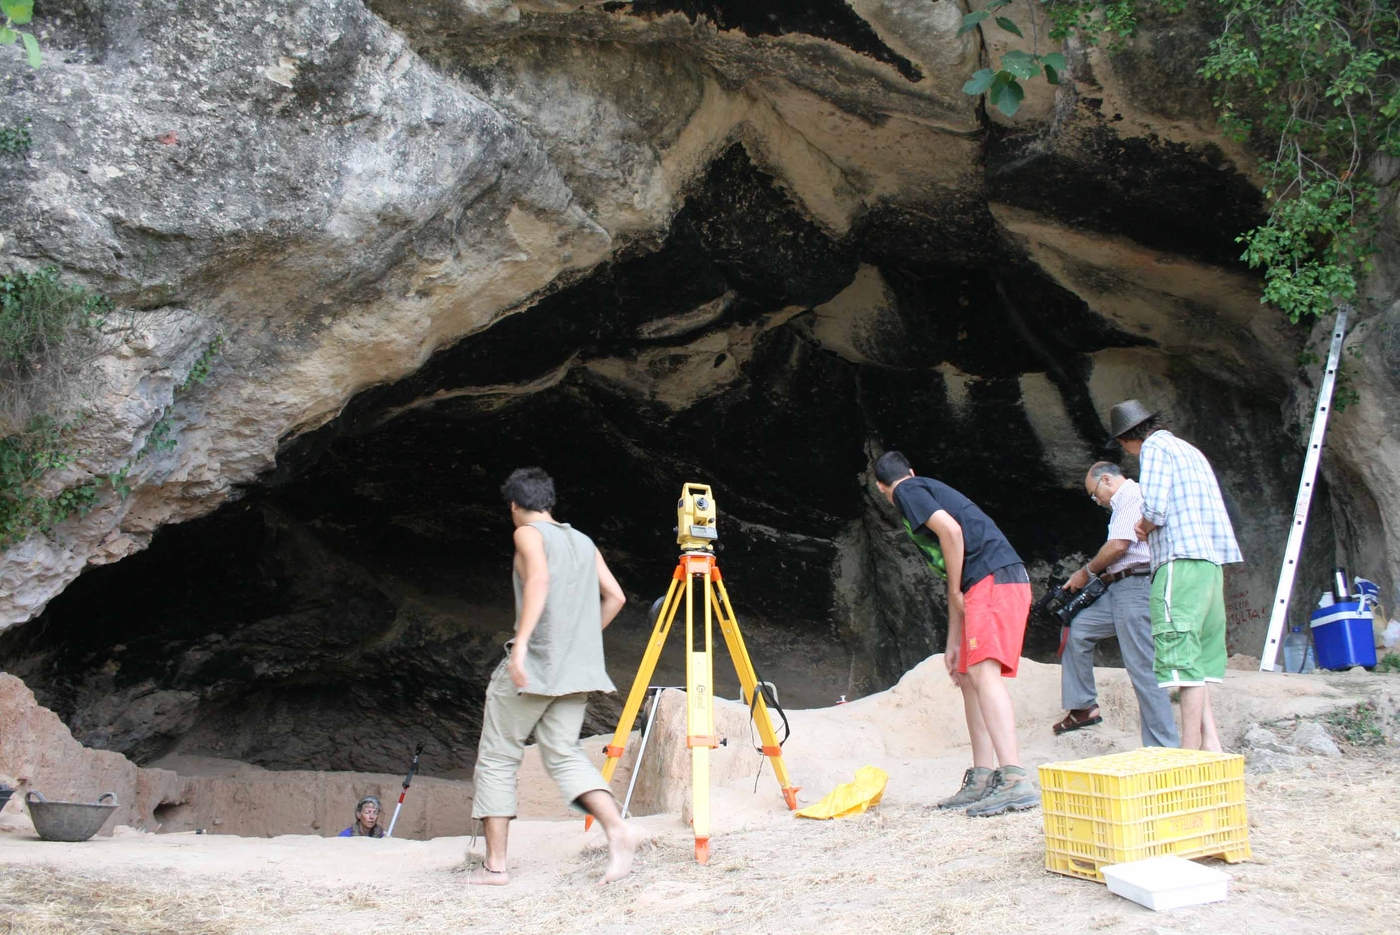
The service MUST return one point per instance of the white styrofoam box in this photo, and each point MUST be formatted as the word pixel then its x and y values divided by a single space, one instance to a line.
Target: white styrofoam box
pixel 1167 882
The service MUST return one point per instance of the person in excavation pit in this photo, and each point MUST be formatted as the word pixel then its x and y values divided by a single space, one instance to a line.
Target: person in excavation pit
pixel 1123 564
pixel 989 600
pixel 564 596
pixel 1188 531
pixel 366 820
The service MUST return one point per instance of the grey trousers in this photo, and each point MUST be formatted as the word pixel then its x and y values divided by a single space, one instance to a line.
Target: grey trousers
pixel 1124 611
pixel 509 718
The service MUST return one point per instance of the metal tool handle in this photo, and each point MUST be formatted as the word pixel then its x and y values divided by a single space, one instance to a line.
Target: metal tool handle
pixel 641 751
pixel 407 781
pixel 413 767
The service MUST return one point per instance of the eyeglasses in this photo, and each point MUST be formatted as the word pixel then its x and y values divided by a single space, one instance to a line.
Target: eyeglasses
pixel 1095 495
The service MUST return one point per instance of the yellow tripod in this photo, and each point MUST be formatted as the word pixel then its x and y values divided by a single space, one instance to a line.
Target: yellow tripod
pixel 697 567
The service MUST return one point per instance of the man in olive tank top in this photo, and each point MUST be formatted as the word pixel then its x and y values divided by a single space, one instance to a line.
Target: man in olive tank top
pixel 564 597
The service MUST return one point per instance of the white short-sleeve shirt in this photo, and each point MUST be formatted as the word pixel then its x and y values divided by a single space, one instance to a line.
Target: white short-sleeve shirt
pixel 1127 510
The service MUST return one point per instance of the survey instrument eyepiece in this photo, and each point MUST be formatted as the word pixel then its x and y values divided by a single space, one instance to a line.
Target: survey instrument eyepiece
pixel 695 518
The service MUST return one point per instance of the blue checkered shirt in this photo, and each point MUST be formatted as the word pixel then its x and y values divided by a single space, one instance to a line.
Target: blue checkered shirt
pixel 1180 494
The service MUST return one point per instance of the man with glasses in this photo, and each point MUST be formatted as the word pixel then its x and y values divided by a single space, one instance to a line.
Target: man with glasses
pixel 1124 610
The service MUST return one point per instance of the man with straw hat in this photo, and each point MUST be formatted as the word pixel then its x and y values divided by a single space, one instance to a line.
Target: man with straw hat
pixel 1189 535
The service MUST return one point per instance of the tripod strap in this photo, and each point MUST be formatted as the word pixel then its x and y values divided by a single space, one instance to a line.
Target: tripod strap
pixel 770 702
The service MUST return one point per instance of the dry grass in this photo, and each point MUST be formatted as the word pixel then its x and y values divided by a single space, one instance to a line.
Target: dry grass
pixel 1326 858
pixel 43 901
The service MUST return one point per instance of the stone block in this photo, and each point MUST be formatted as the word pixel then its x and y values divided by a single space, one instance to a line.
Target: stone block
pixel 1261 738
pixel 1266 761
pixel 1312 737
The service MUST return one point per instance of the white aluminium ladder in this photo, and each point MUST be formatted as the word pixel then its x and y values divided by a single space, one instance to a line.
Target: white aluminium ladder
pixel 1278 619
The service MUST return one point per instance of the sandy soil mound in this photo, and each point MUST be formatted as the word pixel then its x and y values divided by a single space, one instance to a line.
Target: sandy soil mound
pixel 916 731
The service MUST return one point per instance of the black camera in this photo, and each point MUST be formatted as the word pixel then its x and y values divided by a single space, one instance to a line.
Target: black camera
pixel 1058 603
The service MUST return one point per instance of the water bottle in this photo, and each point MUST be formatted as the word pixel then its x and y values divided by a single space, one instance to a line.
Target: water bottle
pixel 1297 651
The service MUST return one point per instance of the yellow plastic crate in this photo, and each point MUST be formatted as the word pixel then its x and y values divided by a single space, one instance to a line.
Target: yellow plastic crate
pixel 1146 803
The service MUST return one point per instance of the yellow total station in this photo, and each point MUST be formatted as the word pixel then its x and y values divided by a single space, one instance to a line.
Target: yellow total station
pixel 698 571
pixel 695 519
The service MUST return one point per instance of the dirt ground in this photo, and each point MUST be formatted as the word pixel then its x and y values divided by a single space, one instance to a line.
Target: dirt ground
pixel 1326 843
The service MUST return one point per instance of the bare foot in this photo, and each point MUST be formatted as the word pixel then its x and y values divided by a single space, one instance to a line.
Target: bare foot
pixel 622 847
pixel 483 877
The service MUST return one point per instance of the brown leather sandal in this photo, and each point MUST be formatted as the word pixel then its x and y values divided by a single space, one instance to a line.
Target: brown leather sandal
pixel 1077 718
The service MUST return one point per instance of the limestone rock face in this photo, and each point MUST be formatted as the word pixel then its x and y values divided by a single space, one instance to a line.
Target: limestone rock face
pixel 1364 431
pixel 753 244
pixel 305 183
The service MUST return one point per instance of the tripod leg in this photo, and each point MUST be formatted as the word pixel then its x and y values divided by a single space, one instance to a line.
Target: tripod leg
pixel 748 680
pixel 643 680
pixel 700 716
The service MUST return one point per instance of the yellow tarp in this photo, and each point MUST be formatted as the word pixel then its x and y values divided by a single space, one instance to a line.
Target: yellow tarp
pixel 851 798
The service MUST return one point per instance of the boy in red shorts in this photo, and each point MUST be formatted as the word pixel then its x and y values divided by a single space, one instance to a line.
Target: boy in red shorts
pixel 989 599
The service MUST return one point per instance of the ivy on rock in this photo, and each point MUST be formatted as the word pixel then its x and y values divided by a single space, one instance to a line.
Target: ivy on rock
pixel 49 330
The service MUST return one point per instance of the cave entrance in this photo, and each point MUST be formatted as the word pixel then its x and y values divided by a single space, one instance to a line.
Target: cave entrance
pixel 356 599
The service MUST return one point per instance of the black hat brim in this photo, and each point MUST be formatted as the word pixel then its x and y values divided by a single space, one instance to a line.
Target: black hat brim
pixel 1114 439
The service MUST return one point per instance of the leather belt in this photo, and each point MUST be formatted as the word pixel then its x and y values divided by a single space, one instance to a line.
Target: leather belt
pixel 1130 571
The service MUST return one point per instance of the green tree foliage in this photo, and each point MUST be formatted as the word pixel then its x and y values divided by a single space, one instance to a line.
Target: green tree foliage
pixel 1002 84
pixel 1315 84
pixel 18 13
pixel 1100 23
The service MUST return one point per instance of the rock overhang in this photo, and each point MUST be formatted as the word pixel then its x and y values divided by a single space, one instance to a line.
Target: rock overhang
pixel 627 224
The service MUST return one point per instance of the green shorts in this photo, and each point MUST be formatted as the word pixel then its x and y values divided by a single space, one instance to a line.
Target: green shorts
pixel 1188 623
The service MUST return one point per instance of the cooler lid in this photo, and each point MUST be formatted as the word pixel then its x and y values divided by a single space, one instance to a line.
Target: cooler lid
pixel 1339 613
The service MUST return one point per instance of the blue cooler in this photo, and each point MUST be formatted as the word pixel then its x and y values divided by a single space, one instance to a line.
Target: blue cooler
pixel 1343 636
